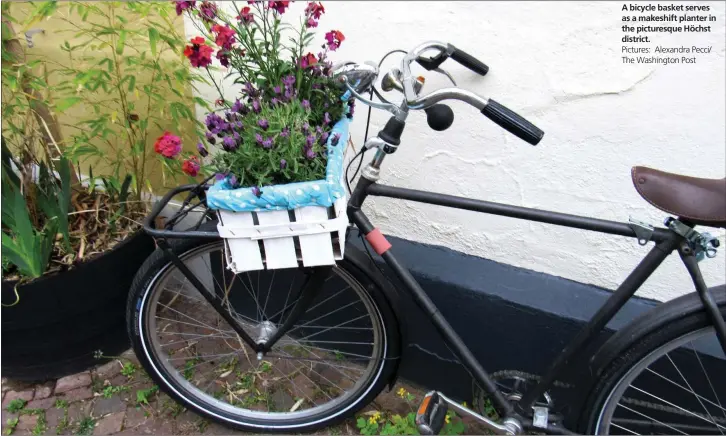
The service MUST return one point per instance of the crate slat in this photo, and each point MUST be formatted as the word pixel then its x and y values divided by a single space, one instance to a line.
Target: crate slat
pixel 247 256
pixel 316 249
pixel 279 252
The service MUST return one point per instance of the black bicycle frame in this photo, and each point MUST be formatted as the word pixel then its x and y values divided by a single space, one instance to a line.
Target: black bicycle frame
pixel 666 241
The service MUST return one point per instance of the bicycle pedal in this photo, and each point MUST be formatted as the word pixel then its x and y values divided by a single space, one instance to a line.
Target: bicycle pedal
pixel 431 414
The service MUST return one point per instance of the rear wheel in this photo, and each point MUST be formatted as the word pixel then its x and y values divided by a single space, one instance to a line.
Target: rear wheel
pixel 670 381
pixel 332 362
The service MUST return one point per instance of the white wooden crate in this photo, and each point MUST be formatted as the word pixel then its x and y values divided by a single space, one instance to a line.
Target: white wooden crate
pixel 271 243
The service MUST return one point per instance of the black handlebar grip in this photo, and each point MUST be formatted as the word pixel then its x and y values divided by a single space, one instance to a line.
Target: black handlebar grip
pixel 512 122
pixel 469 61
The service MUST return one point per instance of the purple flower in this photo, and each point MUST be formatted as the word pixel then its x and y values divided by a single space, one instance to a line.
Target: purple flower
pixel 251 91
pixel 318 130
pixel 258 138
pixel 317 86
pixel 202 150
pixel 306 104
pixel 239 125
pixel 306 127
pixel 288 81
pixel 277 89
pixel 182 6
pixel 256 191
pixel 237 106
pixel 232 180
pixel 236 137
pixel 334 139
pixel 213 120
pixel 309 153
pixel 208 11
pixel 283 164
pixel 267 143
pixel 310 140
pixel 230 116
pixel 323 138
pixel 210 138
pixel 220 176
pixel 256 106
pixel 229 144
pixel 285 132
pixel 289 94
pixel 326 118
pixel 274 101
pixel 264 124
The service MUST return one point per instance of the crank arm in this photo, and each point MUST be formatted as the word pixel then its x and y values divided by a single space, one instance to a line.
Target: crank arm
pixel 309 291
pixel 209 296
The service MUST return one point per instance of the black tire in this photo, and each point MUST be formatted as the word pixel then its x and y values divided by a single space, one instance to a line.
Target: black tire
pixel 157 263
pixel 640 345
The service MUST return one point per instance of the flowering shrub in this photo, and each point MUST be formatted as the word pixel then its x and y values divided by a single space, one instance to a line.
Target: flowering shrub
pixel 275 131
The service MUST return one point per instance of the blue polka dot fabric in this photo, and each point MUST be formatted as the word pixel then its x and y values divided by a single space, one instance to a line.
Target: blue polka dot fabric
pixel 293 195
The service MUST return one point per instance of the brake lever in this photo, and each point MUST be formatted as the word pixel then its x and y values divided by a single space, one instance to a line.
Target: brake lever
pixel 445 73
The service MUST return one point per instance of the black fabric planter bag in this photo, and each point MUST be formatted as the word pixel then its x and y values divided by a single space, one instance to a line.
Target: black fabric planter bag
pixel 63 318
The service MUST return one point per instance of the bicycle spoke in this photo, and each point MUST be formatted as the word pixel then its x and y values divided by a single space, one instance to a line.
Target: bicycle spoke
pixel 650 418
pixel 676 406
pixel 691 389
pixel 323 316
pixel 623 428
pixel 685 389
pixel 723 411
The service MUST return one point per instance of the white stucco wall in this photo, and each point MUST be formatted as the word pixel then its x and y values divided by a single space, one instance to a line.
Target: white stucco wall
pixel 558 64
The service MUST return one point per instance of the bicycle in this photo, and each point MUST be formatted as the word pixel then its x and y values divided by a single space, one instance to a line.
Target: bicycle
pixel 326 350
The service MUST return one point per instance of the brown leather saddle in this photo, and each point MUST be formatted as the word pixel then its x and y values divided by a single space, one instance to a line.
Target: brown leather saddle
pixel 700 201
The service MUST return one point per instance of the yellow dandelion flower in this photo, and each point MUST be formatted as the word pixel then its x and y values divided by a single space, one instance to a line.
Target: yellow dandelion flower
pixel 401 392
pixel 372 420
pixel 464 404
pixel 377 415
pixel 448 419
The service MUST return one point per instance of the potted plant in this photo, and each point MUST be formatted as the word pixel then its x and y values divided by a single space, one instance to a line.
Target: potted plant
pixel 279 144
pixel 71 240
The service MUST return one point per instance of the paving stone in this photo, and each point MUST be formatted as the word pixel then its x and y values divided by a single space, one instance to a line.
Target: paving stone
pixel 78 411
pixel 72 382
pixel 108 370
pixel 43 391
pixel 104 406
pixel 111 424
pixel 283 401
pixel 26 423
pixel 14 395
pixel 41 404
pixel 135 416
pixel 78 394
pixel 53 417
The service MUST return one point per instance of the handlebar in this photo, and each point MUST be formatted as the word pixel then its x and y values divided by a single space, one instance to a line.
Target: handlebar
pixel 503 116
pixel 469 61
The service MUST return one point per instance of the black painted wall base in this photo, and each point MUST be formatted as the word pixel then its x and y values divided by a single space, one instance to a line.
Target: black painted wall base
pixel 511 318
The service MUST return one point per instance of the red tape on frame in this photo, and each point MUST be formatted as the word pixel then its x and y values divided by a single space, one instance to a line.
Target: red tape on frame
pixel 378 241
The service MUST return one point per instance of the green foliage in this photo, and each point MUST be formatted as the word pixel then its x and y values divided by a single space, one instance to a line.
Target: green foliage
pixel 143 395
pixel 10 425
pixel 28 236
pixel 272 138
pixel 16 405
pixel 129 369
pixel 85 426
pixel 110 391
pixel 127 91
pixel 41 425
pixel 61 404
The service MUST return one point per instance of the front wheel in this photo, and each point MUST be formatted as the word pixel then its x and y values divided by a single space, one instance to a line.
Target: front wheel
pixel 336 358
pixel 670 381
